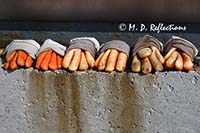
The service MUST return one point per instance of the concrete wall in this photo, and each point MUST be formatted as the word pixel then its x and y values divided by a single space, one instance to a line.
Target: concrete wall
pixel 99 102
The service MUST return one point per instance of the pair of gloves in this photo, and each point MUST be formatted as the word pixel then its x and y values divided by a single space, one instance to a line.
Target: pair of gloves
pixel 80 55
pixel 21 53
pixel 50 56
pixel 113 56
pixel 179 55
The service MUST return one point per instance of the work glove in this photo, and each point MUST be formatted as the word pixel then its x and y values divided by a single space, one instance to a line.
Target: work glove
pixel 50 56
pixel 20 53
pixel 113 56
pixel 179 54
pixel 146 55
pixel 80 54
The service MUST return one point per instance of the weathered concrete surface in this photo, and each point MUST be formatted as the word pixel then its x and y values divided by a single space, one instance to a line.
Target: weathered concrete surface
pixel 97 102
pixel 64 102
pixel 32 101
pixel 169 102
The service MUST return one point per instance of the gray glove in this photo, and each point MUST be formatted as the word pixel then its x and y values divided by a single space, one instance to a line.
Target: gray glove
pixel 116 44
pixel 30 46
pixel 85 43
pixel 55 46
pixel 181 44
pixel 146 41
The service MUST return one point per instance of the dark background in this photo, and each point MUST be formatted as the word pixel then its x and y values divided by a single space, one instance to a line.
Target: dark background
pixel 186 11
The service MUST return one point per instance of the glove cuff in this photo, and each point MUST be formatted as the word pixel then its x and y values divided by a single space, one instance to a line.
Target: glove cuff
pixel 30 46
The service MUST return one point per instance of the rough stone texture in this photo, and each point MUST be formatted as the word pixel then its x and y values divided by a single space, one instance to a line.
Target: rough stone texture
pixel 169 102
pixel 97 102
pixel 33 101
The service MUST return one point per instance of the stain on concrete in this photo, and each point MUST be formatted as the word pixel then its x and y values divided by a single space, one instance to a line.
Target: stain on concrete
pixel 67 103
pixel 99 102
pixel 59 87
pixel 36 103
pixel 127 117
pixel 54 102
pixel 109 103
pixel 76 101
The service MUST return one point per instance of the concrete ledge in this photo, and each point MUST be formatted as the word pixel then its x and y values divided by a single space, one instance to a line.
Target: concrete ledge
pixel 99 102
pixel 169 102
